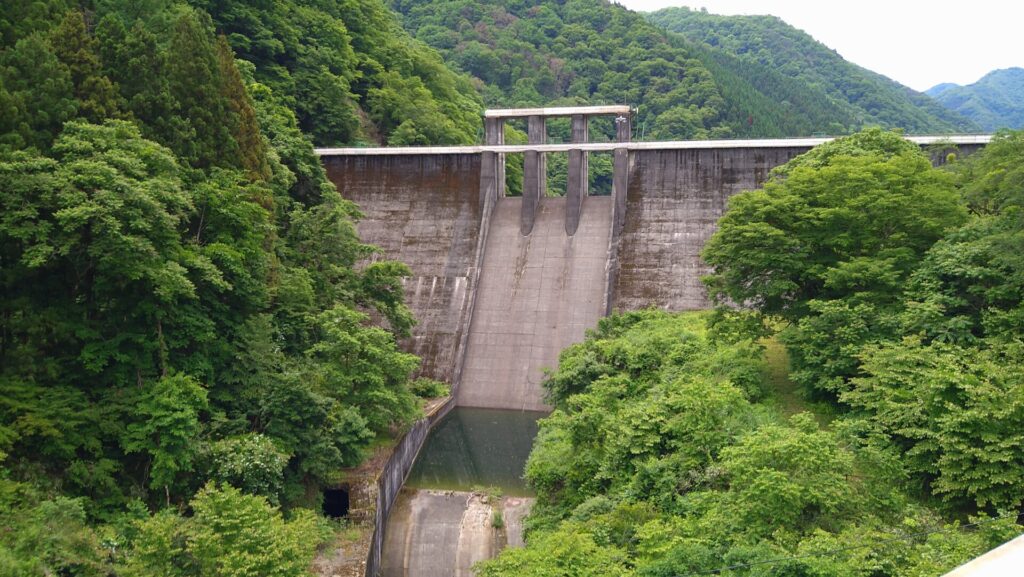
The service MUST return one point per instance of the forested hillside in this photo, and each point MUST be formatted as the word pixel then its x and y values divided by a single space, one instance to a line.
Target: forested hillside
pixel 347 70
pixel 592 51
pixel 996 101
pixel 897 288
pixel 768 42
pixel 183 328
pixel 350 71
pixel 581 51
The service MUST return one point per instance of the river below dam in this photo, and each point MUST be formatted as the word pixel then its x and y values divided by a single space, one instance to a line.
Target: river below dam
pixel 475 449
pixel 465 498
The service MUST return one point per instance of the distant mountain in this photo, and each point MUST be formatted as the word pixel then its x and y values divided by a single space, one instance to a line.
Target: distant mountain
pixel 996 101
pixel 940 88
pixel 593 51
pixel 766 42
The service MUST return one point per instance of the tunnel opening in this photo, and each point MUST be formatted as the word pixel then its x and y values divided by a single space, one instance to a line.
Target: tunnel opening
pixel 336 502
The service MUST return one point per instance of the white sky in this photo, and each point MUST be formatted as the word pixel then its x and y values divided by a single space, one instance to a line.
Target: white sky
pixel 918 43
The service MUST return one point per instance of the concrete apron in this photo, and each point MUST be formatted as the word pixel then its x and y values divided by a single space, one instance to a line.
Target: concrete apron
pixel 444 533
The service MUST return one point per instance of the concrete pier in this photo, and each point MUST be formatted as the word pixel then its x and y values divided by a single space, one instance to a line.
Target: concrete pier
pixel 535 173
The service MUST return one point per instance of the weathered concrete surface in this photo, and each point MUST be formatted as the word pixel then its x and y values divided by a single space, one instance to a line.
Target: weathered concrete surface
pixel 538 294
pixel 444 533
pixel 427 212
pixel 674 200
pixel 1007 560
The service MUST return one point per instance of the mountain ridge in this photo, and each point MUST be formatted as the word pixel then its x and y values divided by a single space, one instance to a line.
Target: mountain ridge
pixel 771 42
pixel 995 101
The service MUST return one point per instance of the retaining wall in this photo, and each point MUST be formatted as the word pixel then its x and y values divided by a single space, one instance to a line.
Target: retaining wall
pixel 392 478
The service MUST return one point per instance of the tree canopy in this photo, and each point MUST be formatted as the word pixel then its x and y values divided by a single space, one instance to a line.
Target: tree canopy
pixel 660 458
pixel 185 330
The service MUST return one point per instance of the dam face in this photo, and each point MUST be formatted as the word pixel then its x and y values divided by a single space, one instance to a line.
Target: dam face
pixel 425 211
pixel 537 295
pixel 502 285
pixel 496 306
pixel 673 202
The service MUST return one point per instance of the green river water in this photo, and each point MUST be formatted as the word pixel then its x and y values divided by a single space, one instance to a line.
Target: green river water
pixel 477 448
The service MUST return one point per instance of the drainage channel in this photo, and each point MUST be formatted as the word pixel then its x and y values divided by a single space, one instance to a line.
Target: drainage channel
pixel 465 498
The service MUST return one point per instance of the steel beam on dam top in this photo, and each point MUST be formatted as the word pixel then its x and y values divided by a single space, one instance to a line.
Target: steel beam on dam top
pixel 501 285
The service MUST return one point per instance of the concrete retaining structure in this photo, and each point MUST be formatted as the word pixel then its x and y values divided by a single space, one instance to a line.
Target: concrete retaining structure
pixel 392 478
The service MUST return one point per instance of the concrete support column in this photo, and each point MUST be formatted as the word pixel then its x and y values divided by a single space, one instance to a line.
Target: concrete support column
pixel 534 173
pixel 620 184
pixel 620 172
pixel 492 164
pixel 576 185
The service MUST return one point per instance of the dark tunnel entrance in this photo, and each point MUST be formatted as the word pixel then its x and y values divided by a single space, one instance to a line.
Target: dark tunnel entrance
pixel 336 503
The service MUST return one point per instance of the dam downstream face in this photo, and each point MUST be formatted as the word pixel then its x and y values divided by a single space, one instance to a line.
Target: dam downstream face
pixel 538 294
pixel 440 527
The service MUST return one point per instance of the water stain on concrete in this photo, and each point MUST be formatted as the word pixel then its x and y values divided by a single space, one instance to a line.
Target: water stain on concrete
pixel 444 533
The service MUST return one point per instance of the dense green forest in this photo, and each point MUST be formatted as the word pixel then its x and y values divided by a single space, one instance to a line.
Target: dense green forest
pixel 185 341
pixel 993 102
pixel 678 447
pixel 581 51
pixel 766 42
pixel 593 51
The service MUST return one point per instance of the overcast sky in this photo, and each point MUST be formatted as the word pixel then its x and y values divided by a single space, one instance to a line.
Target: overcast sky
pixel 918 43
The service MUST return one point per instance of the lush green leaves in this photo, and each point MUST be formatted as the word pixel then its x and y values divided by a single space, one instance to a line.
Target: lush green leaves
pixel 653 463
pixel 168 427
pixel 231 534
pixel 829 245
pixel 958 412
pixel 183 294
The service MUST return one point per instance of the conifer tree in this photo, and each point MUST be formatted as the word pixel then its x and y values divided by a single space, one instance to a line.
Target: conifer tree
pixel 37 93
pixel 244 127
pixel 133 59
pixel 194 79
pixel 77 49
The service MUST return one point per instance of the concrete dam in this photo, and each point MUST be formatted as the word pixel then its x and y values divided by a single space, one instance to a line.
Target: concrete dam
pixel 500 285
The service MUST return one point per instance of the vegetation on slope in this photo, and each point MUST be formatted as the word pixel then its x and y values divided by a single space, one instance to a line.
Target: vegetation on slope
pixel 581 51
pixel 911 317
pixel 186 352
pixel 996 101
pixel 350 72
pixel 660 460
pixel 768 42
